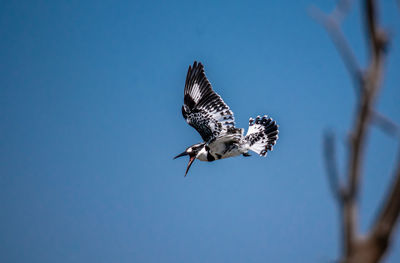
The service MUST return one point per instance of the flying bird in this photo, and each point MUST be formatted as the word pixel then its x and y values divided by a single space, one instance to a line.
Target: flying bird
pixel 204 110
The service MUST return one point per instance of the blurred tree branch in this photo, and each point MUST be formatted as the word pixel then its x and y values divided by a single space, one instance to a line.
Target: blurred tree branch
pixel 372 246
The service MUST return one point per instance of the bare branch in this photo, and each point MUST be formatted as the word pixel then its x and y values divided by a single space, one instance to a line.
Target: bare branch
pixel 331 25
pixel 372 80
pixel 357 139
pixel 331 165
pixel 371 247
pixel 387 125
pixel 377 37
pixel 341 9
pixel 389 214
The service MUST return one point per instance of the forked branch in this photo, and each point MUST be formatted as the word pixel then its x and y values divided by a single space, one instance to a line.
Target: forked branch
pixel 373 245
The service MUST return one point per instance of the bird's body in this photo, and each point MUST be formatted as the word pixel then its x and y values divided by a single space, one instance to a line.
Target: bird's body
pixel 221 150
pixel 205 111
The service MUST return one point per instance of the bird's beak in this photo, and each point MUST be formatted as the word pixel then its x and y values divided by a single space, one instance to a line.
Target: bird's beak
pixel 192 158
pixel 180 155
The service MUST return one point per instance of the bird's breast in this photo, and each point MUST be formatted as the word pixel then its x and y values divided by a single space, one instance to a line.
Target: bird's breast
pixel 226 149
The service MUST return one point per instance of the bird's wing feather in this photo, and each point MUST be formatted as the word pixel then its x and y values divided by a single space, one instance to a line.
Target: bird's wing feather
pixel 204 109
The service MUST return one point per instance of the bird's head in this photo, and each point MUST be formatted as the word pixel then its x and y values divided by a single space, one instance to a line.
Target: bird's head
pixel 193 152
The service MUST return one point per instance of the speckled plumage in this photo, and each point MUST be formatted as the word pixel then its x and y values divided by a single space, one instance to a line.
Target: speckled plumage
pixel 204 110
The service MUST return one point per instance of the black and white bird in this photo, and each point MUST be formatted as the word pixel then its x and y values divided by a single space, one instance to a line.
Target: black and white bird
pixel 204 110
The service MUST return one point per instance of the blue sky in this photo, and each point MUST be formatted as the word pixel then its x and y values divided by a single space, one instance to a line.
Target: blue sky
pixel 90 98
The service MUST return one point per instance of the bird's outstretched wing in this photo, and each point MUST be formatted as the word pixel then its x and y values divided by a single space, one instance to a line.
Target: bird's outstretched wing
pixel 204 109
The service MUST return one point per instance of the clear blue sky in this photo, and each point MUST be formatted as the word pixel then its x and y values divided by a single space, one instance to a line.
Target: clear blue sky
pixel 90 98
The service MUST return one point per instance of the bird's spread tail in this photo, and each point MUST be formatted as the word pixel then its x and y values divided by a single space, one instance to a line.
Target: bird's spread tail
pixel 262 134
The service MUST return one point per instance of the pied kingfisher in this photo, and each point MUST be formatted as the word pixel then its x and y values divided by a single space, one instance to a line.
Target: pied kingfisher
pixel 204 110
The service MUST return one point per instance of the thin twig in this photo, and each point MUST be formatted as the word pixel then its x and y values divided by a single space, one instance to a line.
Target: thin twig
pixel 341 10
pixel 332 26
pixel 386 125
pixel 331 165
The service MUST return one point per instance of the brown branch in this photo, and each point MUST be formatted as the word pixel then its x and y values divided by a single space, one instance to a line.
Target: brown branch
pixel 388 216
pixel 372 80
pixel 371 85
pixel 331 165
pixel 377 37
pixel 357 141
pixel 372 247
